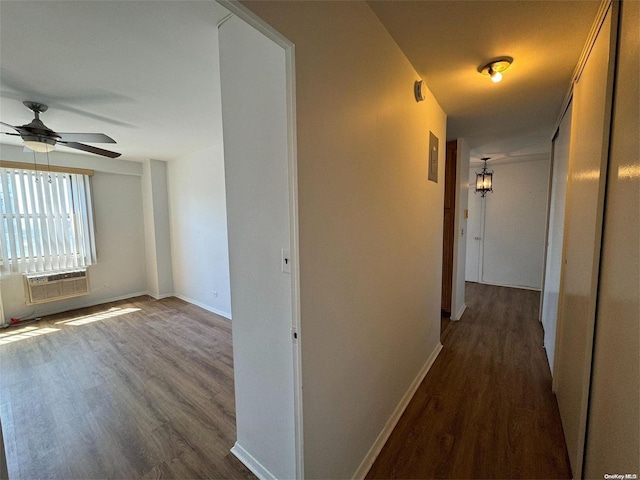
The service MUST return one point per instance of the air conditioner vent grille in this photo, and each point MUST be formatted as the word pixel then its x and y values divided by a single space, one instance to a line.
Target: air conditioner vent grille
pixel 43 288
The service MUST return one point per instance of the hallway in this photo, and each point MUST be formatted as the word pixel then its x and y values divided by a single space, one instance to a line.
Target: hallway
pixel 485 409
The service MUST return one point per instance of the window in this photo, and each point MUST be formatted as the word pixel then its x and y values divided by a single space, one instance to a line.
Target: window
pixel 46 221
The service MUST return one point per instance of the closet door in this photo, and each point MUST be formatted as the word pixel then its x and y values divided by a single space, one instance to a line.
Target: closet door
pixel 614 410
pixel 553 264
pixel 582 238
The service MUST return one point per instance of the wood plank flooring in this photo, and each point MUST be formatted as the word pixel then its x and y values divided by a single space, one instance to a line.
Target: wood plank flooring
pixel 144 389
pixel 445 323
pixel 132 389
pixel 485 409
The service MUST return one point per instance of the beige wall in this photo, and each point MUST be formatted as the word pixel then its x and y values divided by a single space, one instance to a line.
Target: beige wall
pixel 370 226
pixel 614 418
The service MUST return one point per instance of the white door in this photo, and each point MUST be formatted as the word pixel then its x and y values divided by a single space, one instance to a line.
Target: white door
pixel 474 232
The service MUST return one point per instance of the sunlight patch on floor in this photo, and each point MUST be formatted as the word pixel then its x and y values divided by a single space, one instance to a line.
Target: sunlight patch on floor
pixel 96 317
pixel 15 334
pixel 24 334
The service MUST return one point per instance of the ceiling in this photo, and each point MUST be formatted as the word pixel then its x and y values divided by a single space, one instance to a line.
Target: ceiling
pixel 144 73
pixel 447 41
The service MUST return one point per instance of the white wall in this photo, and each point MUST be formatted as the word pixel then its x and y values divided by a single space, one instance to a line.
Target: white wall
pixel 151 267
pixel 257 187
pixel 512 246
pixel 458 304
pixel 157 228
pixel 199 246
pixel 117 201
pixel 162 227
pixel 551 294
pixel 370 228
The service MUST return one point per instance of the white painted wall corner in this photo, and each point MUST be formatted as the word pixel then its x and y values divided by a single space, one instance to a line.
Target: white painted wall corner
pixel 208 308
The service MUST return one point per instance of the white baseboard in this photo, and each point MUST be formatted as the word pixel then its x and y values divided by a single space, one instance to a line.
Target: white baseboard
pixel 251 463
pixel 522 287
pixel 460 313
pixel 222 313
pixel 384 435
pixel 160 297
pixel 89 302
pixel 85 304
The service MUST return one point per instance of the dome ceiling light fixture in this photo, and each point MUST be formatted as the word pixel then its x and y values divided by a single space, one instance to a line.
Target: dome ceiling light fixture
pixel 495 68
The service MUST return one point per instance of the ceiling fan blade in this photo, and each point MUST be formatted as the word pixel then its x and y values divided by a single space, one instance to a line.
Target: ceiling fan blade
pixel 13 134
pixel 90 149
pixel 85 137
pixel 7 125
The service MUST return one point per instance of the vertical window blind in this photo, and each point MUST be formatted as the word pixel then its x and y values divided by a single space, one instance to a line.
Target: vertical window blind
pixel 46 221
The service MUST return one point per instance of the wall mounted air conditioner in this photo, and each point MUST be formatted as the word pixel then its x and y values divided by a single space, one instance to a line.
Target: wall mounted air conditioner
pixel 42 288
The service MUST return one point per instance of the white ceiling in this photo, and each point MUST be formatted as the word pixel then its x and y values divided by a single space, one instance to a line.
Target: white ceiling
pixel 146 72
pixel 143 72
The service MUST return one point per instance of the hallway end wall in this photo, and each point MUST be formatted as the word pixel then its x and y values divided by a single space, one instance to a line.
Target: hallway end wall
pixel 509 250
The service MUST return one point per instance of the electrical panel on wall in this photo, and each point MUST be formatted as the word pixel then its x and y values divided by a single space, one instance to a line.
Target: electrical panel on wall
pixel 433 157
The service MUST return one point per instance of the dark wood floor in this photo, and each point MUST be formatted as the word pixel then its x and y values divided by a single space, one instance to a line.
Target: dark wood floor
pixel 144 389
pixel 134 389
pixel 485 409
pixel 445 323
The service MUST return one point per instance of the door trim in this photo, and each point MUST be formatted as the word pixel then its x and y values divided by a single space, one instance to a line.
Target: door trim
pixel 242 12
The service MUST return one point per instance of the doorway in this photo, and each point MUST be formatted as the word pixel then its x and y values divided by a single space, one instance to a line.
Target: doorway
pixel 454 238
pixel 448 235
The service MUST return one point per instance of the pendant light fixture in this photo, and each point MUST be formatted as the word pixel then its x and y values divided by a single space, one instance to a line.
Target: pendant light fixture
pixel 484 179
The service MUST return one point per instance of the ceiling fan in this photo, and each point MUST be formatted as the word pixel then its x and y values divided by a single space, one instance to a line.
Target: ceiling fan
pixel 40 138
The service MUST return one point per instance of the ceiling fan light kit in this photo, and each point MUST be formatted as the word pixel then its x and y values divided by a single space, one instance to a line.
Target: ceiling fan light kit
pixel 495 68
pixel 40 138
pixel 40 145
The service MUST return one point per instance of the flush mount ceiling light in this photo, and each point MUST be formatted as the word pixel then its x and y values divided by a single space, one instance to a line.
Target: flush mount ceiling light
pixel 495 68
